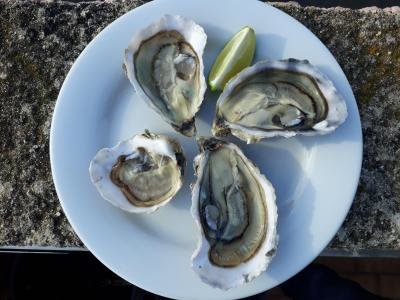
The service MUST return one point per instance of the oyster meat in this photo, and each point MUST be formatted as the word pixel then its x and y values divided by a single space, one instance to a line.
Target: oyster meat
pixel 139 174
pixel 164 64
pixel 279 98
pixel 234 208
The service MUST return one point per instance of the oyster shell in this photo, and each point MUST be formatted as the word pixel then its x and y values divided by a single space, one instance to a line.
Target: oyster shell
pixel 164 64
pixel 139 174
pixel 279 98
pixel 234 208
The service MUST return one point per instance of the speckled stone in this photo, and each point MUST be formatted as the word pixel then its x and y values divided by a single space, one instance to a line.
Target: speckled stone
pixel 366 43
pixel 40 41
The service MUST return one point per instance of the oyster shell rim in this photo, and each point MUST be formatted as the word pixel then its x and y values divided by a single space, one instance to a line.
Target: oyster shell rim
pixel 97 170
pixel 337 108
pixel 189 30
pixel 223 277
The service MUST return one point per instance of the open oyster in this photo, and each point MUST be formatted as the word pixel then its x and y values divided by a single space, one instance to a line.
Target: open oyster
pixel 164 64
pixel 139 174
pixel 234 208
pixel 279 98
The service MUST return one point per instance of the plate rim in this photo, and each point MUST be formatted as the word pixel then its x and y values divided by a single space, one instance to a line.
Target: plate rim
pixel 56 112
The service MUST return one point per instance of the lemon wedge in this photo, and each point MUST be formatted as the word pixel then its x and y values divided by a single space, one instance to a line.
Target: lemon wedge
pixel 236 55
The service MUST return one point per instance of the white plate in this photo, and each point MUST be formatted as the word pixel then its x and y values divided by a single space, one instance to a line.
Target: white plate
pixel 315 177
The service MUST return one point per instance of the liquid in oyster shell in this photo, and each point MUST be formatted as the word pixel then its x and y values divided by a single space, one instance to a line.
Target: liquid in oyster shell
pixel 234 207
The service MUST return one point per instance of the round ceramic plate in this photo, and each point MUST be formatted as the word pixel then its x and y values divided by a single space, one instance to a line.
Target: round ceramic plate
pixel 315 177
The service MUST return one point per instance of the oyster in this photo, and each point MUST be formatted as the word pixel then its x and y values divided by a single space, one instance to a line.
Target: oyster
pixel 139 174
pixel 234 208
pixel 279 98
pixel 164 64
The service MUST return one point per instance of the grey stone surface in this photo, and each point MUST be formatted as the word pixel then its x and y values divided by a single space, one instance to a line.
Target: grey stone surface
pixel 366 44
pixel 40 41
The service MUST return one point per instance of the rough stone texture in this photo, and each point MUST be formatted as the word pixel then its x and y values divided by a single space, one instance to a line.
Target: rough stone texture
pixel 366 44
pixel 40 41
pixel 38 45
